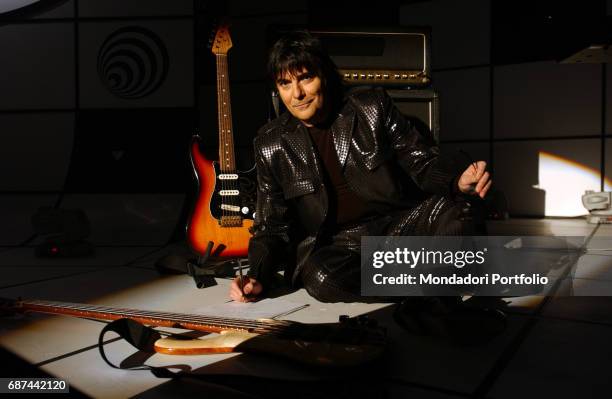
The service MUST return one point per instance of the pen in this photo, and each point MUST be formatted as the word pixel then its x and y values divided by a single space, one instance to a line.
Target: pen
pixel 470 159
pixel 241 279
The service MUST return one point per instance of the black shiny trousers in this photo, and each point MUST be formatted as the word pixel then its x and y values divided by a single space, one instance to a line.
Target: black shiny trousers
pixel 332 272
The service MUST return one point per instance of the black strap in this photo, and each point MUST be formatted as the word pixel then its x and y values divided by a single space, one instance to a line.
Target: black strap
pixel 142 338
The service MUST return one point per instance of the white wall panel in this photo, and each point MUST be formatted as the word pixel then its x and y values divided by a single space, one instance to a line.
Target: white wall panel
pixel 608 166
pixel 249 53
pixel 35 150
pixel 241 7
pixel 134 54
pixel 123 8
pixel 37 67
pixel 608 89
pixel 460 30
pixel 544 99
pixel 464 103
pixel 63 10
pixel 547 178
pixel 475 151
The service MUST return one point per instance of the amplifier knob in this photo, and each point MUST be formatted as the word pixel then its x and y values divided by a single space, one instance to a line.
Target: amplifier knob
pixel 404 76
pixel 385 76
pixel 355 76
pixel 370 76
pixel 362 76
pixel 378 76
pixel 396 76
pixel 347 75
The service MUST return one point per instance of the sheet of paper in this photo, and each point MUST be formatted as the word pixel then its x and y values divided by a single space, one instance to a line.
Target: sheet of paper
pixel 265 309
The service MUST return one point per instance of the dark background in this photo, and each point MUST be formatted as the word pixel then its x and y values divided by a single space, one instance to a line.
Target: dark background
pixel 69 140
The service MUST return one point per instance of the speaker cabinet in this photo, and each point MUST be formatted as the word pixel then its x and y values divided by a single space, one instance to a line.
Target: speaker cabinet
pixel 420 106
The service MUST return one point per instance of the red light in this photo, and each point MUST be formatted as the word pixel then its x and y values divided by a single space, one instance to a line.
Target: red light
pixel 54 250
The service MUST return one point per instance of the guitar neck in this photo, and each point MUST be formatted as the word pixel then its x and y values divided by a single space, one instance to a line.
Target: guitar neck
pixel 224 109
pixel 153 318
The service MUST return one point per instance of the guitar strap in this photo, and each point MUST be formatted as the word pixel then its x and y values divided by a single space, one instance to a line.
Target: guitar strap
pixel 143 338
pixel 139 336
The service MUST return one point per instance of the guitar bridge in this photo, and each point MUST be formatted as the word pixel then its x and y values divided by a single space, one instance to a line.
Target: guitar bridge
pixel 231 221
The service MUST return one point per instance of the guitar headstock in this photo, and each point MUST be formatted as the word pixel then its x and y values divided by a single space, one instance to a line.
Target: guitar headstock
pixel 222 41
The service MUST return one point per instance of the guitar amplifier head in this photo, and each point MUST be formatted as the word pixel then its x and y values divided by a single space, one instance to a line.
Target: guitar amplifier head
pixel 398 57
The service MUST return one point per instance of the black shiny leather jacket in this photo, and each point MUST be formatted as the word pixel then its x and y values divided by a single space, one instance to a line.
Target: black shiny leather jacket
pixel 384 158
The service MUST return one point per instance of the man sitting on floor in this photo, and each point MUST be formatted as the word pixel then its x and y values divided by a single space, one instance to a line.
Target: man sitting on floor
pixel 338 166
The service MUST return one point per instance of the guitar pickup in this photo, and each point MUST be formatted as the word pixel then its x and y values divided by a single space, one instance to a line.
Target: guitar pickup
pixel 229 192
pixel 232 208
pixel 228 176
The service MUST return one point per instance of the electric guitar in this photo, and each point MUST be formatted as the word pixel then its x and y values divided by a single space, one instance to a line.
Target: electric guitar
pixel 350 342
pixel 225 205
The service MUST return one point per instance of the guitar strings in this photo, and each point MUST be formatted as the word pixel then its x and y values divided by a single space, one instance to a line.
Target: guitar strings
pixel 227 132
pixel 222 140
pixel 234 183
pixel 228 124
pixel 153 314
pixel 235 200
pixel 135 312
pixel 264 328
pixel 237 325
pixel 226 166
pixel 272 326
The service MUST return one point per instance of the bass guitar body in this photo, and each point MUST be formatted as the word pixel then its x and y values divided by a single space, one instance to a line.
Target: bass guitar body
pixel 224 209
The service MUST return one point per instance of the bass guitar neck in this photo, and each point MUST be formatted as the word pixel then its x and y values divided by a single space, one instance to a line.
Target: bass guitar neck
pixel 348 343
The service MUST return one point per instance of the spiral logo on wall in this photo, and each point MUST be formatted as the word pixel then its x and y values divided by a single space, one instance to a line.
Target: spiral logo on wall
pixel 132 62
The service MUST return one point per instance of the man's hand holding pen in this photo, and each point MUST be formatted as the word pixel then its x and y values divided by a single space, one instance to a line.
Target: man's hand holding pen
pixel 245 289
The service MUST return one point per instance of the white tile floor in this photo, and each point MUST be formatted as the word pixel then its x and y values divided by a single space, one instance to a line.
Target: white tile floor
pixel 554 346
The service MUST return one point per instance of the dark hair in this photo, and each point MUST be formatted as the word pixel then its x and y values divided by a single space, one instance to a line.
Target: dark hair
pixel 299 49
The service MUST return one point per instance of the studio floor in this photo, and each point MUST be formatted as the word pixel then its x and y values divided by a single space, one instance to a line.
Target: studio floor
pixel 554 346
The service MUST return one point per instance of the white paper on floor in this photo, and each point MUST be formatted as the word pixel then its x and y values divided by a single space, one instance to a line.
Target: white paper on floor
pixel 268 308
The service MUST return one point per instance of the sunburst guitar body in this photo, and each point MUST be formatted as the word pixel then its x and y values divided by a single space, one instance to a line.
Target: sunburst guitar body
pixel 225 205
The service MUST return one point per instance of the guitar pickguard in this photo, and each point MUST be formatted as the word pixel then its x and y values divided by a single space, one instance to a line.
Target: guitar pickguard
pixel 234 196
